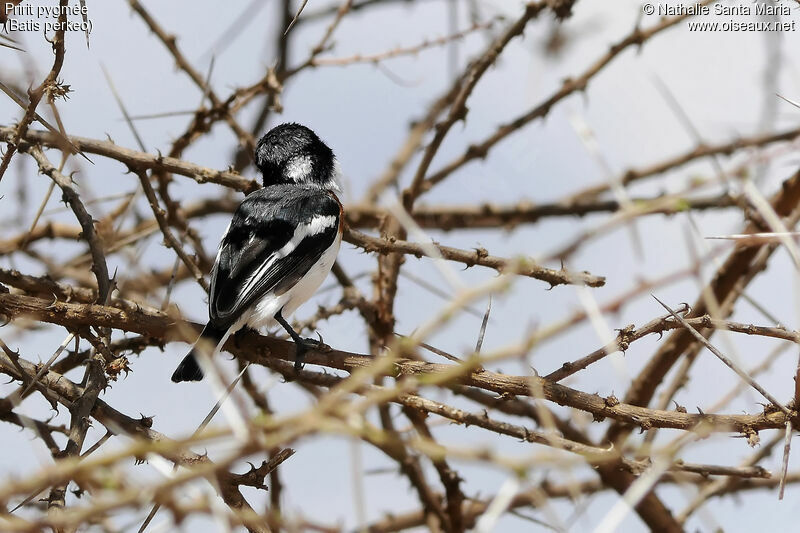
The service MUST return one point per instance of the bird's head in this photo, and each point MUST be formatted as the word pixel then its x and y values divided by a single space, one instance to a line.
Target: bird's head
pixel 291 153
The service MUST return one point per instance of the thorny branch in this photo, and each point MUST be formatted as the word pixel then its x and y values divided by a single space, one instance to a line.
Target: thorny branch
pixel 538 391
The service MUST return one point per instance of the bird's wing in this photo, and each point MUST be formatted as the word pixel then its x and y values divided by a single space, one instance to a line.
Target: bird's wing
pixel 276 235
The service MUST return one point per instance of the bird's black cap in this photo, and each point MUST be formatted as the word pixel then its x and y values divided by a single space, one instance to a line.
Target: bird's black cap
pixel 293 154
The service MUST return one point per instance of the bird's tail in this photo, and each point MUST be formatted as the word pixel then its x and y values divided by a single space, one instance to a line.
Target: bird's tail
pixel 189 369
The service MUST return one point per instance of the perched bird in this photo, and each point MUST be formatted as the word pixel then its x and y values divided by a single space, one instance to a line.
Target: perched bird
pixel 279 246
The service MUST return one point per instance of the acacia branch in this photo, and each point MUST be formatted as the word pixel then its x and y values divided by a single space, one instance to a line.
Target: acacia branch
pixel 169 238
pixel 69 394
pixel 698 152
pixel 522 267
pixel 139 160
pixel 257 349
pixel 728 283
pixel 571 85
pixel 458 108
pixel 170 42
pixel 628 335
pixel 49 86
pixel 84 219
pixel 457 217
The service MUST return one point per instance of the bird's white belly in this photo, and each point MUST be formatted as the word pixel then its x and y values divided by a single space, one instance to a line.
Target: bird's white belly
pixel 264 311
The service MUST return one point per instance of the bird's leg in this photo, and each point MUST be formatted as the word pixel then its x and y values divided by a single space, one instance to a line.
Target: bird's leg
pixel 301 345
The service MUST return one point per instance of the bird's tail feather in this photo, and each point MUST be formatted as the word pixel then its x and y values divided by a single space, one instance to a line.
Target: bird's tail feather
pixel 189 369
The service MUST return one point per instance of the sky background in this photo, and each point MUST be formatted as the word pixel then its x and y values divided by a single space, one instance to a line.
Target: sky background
pixel 721 81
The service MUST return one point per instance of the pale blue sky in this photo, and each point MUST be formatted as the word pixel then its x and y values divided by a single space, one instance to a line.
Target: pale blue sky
pixel 363 114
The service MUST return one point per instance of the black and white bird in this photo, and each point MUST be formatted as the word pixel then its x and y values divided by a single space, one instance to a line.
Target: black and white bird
pixel 279 246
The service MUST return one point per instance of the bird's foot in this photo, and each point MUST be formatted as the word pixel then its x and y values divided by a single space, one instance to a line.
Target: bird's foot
pixel 305 345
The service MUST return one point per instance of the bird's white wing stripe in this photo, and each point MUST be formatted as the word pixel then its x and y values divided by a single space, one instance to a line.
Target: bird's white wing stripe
pixel 318 224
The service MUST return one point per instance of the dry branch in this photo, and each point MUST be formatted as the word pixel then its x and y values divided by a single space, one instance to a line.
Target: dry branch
pixel 427 412
pixel 523 267
pixel 258 349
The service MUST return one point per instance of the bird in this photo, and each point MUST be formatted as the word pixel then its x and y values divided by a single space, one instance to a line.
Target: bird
pixel 280 245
